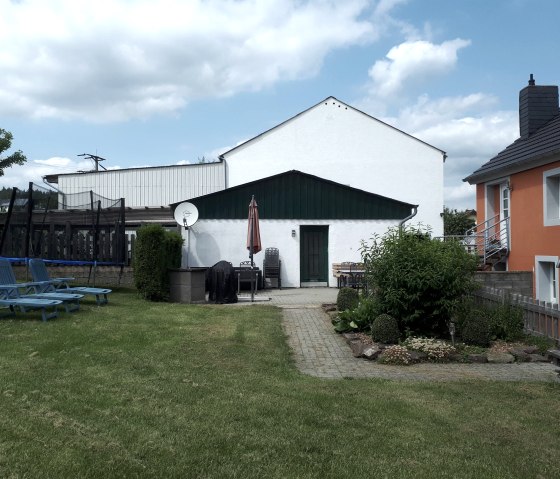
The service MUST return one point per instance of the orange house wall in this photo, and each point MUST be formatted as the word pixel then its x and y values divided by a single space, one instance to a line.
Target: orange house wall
pixel 529 236
pixel 480 203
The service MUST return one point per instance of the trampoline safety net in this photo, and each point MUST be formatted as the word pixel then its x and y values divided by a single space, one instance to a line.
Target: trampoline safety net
pixel 39 223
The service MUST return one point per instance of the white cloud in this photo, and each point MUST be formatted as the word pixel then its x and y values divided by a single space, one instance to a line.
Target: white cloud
pixel 468 128
pixel 114 59
pixel 34 170
pixel 410 62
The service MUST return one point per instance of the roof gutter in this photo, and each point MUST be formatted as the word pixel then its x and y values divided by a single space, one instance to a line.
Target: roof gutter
pixel 409 217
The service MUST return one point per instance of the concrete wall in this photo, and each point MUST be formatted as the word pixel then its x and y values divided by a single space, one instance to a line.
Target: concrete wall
pixel 520 282
pixel 215 240
pixel 339 143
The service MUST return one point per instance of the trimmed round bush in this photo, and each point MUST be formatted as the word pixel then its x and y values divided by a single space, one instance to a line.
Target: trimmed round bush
pixel 476 330
pixel 385 329
pixel 347 299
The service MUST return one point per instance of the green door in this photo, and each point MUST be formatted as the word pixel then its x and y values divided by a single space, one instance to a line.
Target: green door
pixel 314 257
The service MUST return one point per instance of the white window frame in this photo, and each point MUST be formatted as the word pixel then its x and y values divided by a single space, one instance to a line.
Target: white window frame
pixel 552 289
pixel 551 197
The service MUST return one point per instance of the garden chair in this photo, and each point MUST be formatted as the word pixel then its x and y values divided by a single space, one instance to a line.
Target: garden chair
pixel 12 290
pixel 272 266
pixel 45 284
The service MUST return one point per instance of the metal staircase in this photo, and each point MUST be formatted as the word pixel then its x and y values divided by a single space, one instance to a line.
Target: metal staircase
pixel 489 240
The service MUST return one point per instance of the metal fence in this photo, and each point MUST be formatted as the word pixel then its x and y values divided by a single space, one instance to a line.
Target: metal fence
pixel 540 318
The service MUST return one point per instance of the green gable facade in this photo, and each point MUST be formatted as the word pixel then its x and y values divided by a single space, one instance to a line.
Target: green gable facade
pixel 297 195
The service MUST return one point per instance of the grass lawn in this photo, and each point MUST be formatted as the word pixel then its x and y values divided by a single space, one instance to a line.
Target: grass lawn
pixel 137 389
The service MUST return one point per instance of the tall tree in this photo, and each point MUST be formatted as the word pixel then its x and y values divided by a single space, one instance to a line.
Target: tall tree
pixel 456 222
pixel 16 158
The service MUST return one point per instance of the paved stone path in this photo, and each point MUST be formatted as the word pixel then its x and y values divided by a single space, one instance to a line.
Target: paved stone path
pixel 320 352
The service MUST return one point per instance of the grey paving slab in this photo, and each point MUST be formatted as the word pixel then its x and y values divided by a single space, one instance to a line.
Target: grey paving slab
pixel 320 352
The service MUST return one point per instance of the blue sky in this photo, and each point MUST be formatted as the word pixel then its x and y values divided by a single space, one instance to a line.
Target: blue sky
pixel 146 83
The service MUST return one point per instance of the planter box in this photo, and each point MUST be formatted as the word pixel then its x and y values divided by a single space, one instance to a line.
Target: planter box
pixel 187 285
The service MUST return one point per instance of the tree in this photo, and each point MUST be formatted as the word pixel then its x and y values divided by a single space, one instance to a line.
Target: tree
pixel 456 223
pixel 16 158
pixel 418 280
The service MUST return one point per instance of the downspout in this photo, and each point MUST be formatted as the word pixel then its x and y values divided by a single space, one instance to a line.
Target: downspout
pixel 409 217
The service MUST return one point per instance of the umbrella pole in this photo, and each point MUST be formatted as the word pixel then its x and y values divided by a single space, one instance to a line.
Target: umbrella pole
pixel 252 264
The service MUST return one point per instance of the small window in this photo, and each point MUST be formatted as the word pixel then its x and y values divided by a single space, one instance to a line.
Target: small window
pixel 551 190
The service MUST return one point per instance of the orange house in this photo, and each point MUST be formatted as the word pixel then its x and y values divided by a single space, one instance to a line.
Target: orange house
pixel 518 195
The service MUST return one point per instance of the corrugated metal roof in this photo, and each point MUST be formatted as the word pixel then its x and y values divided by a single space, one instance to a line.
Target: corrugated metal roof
pixel 297 195
pixel 522 154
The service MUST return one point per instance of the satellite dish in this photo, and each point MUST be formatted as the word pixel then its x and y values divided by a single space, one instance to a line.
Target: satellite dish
pixel 186 214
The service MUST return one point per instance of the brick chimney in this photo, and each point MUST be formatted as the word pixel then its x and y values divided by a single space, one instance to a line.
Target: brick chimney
pixel 537 106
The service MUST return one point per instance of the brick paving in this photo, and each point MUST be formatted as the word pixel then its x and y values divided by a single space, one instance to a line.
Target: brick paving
pixel 320 352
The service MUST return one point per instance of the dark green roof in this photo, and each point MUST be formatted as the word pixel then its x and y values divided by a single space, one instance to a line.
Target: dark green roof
pixel 297 195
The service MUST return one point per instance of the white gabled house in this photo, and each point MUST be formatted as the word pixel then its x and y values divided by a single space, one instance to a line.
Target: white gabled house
pixel 337 142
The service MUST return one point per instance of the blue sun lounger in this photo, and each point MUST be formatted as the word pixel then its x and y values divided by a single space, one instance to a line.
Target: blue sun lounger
pixel 10 289
pixel 25 304
pixel 46 284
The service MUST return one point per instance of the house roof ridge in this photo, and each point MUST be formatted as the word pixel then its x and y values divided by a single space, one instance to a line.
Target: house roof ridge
pixel 301 113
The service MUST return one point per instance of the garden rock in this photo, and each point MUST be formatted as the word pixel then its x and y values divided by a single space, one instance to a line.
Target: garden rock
pixel 520 355
pixel 531 350
pixel 538 358
pixel 371 352
pixel 477 358
pixel 417 356
pixel 499 357
pixel 349 337
pixel 357 347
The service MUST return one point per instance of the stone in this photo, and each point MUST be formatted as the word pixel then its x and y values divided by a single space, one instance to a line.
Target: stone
pixel 530 349
pixel 371 352
pixel 417 356
pixel 456 357
pixel 499 357
pixel 538 358
pixel 329 307
pixel 554 356
pixel 477 358
pixel 350 337
pixel 520 355
pixel 357 348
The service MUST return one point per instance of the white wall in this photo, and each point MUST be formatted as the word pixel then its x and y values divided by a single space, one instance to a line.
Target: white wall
pixel 215 240
pixel 341 144
pixel 159 186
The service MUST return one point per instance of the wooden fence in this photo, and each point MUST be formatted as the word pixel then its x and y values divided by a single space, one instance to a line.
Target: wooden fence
pixel 540 318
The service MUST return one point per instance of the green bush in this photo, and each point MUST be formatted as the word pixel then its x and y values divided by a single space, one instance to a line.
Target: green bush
pixel 156 250
pixel 357 319
pixel 347 299
pixel 506 322
pixel 385 329
pixel 476 330
pixel 418 280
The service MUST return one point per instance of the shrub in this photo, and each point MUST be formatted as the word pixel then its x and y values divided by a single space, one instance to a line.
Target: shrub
pixel 357 319
pixel 156 251
pixel 506 322
pixel 347 299
pixel 476 330
pixel 418 279
pixel 395 355
pixel 385 329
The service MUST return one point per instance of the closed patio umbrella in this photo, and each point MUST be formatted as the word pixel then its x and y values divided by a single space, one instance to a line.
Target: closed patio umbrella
pixel 254 244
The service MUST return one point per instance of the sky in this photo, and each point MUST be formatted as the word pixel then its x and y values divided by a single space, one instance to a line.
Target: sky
pixel 152 83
